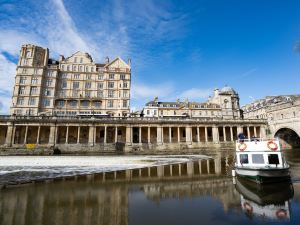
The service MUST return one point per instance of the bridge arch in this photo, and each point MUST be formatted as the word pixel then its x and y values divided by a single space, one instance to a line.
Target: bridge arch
pixel 289 138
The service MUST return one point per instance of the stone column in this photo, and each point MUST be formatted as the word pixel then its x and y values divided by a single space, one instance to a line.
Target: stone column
pixel 231 134
pixel 217 162
pixel 52 135
pixel 188 135
pixel 105 134
pixel 190 168
pixel 179 169
pixel 160 171
pixel 178 134
pixel 91 135
pixel 171 170
pixel 78 135
pixel 38 135
pixel 215 132
pixel 67 135
pixel 149 135
pixel 255 134
pixel 128 135
pixel 207 164
pixel 248 132
pixel 116 134
pixel 198 134
pixel 224 134
pixel 206 137
pixel 26 133
pixel 159 135
pixel 140 135
pixel 170 134
pixel 9 140
pixel 200 167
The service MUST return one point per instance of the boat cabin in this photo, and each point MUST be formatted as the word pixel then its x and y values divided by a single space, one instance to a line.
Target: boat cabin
pixel 259 153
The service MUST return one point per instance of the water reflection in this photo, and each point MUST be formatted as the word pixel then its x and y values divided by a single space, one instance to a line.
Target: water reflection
pixel 271 201
pixel 197 192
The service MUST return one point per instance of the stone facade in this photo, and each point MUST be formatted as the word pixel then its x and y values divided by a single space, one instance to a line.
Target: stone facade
pixel 223 104
pixel 282 114
pixel 69 86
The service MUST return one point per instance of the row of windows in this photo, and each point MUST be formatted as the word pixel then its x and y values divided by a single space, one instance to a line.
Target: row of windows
pixel 111 76
pixel 31 101
pixel 88 85
pixel 27 112
pixel 259 159
pixel 77 93
pixel 110 104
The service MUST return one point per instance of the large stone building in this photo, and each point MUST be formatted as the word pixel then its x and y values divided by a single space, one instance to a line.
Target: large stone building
pixel 69 86
pixel 224 104
pixel 282 114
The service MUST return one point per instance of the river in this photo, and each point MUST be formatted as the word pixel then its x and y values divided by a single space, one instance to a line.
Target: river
pixel 197 192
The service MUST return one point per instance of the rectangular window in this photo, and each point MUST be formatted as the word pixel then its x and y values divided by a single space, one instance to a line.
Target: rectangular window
pixel 88 85
pixel 110 84
pixel 76 76
pixel 244 159
pixel 21 90
pixel 125 103
pixel 50 73
pixel 100 77
pixel 110 93
pixel 110 103
pixel 125 94
pixel 97 104
pixel 48 83
pixel 24 71
pixel 20 101
pixel 148 112
pixel 87 93
pixel 75 59
pixel 33 90
pixel 47 92
pixel 258 159
pixel 125 85
pixel 122 77
pixel 64 75
pixel 75 93
pixel 111 76
pixel 273 159
pixel 31 101
pixel 75 85
pixel 85 103
pixel 100 94
pixel 64 84
pixel 88 76
pixel 100 85
pixel 46 102
pixel 61 103
pixel 62 94
pixel 34 80
pixel 23 80
pixel 73 104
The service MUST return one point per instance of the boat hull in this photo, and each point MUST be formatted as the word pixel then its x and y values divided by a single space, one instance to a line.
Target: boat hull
pixel 264 175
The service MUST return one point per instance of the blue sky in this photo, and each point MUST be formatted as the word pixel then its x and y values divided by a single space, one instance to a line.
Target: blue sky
pixel 179 49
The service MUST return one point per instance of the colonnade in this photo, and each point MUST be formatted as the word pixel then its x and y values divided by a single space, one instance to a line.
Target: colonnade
pixel 93 134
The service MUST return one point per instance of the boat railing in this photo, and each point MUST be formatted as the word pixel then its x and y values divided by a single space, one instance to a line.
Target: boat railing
pixel 255 139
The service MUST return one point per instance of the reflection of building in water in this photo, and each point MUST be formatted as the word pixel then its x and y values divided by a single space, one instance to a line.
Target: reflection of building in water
pixel 265 201
pixel 65 203
pixel 103 198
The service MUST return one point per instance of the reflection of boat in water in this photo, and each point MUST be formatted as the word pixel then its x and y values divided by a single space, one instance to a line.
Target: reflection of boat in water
pixel 266 201
pixel 261 160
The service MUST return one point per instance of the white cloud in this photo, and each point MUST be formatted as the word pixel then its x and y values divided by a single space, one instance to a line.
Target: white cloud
pixel 195 94
pixel 143 91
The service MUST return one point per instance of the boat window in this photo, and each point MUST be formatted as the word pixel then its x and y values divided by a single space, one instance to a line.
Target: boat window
pixel 258 159
pixel 273 159
pixel 244 158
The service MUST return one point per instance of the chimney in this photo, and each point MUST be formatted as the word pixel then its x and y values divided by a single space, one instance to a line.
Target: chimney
pixel 61 58
pixel 106 60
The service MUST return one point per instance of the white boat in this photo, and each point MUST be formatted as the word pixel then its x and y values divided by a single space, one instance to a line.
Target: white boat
pixel 261 160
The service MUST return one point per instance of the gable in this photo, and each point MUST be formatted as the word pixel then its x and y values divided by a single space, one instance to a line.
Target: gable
pixel 79 57
pixel 118 63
